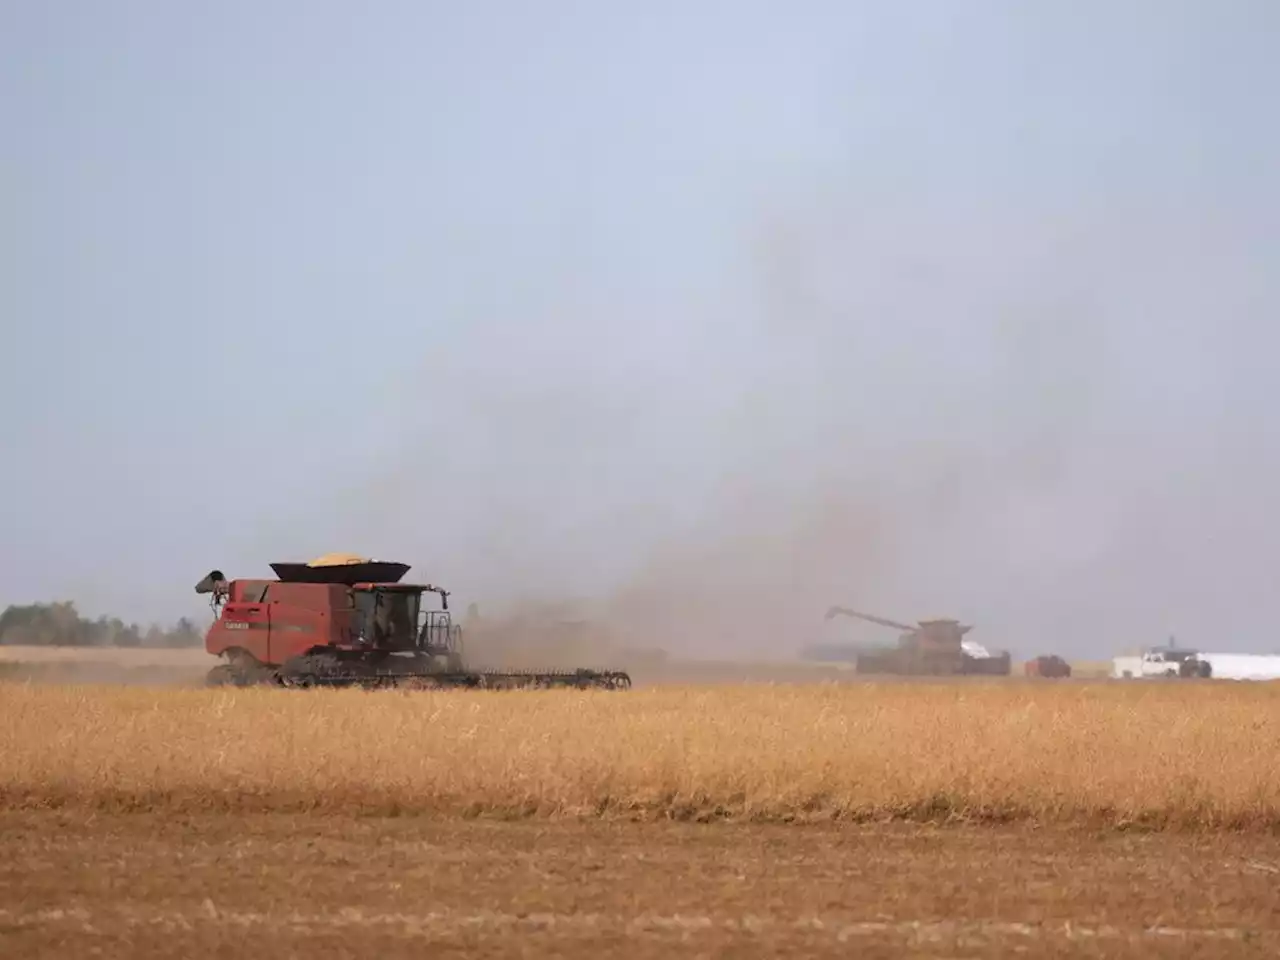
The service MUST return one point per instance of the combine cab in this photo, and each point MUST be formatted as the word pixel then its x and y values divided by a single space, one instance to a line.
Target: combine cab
pixel 343 620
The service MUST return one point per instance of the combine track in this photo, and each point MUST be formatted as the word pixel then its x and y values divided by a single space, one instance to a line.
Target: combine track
pixel 327 671
pixel 476 680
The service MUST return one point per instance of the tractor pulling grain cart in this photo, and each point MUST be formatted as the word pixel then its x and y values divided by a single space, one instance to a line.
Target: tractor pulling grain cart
pixel 348 621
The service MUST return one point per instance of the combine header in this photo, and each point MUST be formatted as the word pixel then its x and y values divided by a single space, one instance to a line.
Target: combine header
pixel 347 621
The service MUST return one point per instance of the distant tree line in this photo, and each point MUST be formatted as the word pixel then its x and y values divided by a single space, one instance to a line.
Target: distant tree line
pixel 61 625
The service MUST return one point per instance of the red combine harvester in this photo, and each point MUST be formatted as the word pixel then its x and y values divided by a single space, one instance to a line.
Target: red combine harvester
pixel 348 621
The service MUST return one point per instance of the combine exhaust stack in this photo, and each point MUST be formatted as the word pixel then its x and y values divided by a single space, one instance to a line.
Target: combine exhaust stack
pixel 349 621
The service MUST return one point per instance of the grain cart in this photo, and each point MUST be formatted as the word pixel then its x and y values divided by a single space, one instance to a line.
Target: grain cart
pixel 1048 665
pixel 931 648
pixel 348 621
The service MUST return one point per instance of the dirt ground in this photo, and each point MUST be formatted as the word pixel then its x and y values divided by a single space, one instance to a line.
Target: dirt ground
pixel 141 886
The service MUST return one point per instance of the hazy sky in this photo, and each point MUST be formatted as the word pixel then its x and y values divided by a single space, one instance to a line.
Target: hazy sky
pixel 725 311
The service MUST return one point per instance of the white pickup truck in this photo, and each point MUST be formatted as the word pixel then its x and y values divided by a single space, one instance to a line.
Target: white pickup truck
pixel 1161 662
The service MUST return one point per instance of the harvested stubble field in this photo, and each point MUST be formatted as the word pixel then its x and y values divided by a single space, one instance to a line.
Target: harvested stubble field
pixel 146 886
pixel 1078 820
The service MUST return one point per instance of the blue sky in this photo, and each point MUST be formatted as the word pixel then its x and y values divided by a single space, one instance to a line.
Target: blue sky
pixel 933 306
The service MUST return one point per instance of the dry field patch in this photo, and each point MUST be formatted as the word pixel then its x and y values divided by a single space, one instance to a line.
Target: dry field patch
pixel 1159 755
pixel 154 885
pixel 116 656
pixel 120 665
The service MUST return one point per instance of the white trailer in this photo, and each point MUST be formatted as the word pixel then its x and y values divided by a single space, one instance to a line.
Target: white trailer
pixel 1243 666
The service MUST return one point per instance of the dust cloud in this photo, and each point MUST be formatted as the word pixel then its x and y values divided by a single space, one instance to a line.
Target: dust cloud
pixel 128 666
pixel 1040 424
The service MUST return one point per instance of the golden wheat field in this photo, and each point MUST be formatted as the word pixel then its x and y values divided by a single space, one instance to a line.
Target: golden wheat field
pixel 1158 754
pixel 956 819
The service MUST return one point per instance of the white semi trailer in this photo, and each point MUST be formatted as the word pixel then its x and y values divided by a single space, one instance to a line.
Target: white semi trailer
pixel 1243 666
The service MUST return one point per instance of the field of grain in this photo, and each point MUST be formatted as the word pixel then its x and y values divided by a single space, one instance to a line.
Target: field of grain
pixel 973 818
pixel 1161 755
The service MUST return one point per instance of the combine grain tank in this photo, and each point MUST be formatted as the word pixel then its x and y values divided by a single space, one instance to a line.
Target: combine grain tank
pixel 344 620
